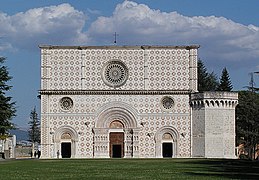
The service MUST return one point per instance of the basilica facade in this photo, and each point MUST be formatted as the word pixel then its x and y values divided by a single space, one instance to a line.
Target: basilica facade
pixel 131 102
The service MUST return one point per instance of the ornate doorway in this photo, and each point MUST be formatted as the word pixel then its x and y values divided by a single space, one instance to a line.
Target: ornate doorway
pixel 116 144
pixel 66 149
pixel 114 131
pixel 166 142
pixel 65 141
pixel 167 150
pixel 66 145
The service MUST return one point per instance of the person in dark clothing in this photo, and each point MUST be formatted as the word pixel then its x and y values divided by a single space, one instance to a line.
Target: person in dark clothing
pixel 35 154
pixel 58 154
pixel 38 154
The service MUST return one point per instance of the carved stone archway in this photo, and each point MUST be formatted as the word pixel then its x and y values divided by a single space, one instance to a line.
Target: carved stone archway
pixel 120 118
pixel 165 135
pixel 116 110
pixel 65 134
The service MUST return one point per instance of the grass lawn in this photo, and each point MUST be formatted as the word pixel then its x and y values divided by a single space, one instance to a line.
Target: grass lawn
pixel 129 169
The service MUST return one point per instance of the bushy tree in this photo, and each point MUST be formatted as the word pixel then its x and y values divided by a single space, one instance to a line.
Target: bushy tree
pixel 206 81
pixel 247 120
pixel 212 82
pixel 225 82
pixel 7 107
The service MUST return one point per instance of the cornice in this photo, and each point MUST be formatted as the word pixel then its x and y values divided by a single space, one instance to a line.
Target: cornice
pixel 119 47
pixel 113 92
pixel 211 95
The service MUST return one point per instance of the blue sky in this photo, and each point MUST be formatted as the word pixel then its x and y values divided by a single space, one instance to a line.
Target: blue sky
pixel 227 30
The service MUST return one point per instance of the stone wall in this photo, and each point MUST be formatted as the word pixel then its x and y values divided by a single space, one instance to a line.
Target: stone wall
pixel 218 112
pixel 83 117
pixel 147 67
pixel 7 147
pixel 147 85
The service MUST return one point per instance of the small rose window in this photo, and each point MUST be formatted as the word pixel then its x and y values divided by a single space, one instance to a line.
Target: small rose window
pixel 66 103
pixel 167 103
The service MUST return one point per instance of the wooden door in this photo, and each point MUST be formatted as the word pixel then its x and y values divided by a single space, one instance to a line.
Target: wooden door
pixel 117 144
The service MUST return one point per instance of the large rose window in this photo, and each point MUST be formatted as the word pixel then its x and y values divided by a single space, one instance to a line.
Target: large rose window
pixel 115 73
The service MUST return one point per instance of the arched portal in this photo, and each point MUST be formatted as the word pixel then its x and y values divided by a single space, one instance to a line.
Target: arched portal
pixel 65 139
pixel 167 145
pixel 116 140
pixel 66 145
pixel 166 139
pixel 114 130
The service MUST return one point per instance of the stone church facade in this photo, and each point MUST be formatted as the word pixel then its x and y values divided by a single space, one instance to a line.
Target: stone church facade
pixel 131 102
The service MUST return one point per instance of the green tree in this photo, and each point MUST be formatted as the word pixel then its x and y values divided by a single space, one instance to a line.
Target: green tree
pixel 247 121
pixel 206 81
pixel 225 82
pixel 34 130
pixel 7 108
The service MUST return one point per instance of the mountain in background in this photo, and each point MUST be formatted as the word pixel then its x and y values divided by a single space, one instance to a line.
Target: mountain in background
pixel 20 134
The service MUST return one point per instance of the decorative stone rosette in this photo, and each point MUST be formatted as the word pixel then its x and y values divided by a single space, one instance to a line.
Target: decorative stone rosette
pixel 115 73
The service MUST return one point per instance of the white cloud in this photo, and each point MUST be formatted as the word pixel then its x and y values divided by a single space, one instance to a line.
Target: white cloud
pixel 93 11
pixel 219 37
pixel 60 24
pixel 5 46
pixel 222 40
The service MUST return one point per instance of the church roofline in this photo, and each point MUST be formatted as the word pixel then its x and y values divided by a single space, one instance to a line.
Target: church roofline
pixel 112 92
pixel 118 47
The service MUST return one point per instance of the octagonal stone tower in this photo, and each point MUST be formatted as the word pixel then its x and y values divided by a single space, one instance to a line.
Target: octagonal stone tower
pixel 213 124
